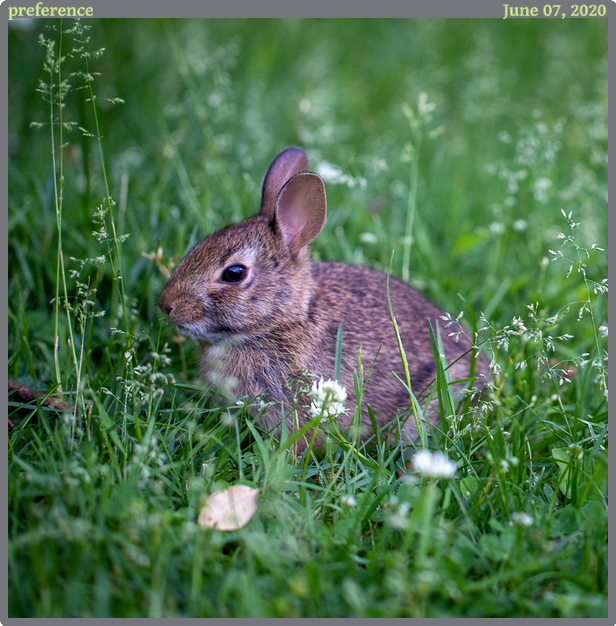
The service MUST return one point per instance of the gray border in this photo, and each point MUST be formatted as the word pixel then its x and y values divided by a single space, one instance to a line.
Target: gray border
pixel 4 176
pixel 611 237
pixel 262 8
pixel 315 8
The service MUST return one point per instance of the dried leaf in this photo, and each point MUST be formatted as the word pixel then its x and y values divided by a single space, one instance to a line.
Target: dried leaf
pixel 230 508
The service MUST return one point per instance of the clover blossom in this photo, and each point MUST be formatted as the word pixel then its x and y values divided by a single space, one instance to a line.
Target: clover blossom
pixel 433 464
pixel 522 518
pixel 396 513
pixel 348 500
pixel 328 398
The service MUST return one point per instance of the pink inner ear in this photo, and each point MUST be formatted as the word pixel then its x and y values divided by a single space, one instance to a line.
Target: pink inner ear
pixel 292 223
pixel 293 205
pixel 301 208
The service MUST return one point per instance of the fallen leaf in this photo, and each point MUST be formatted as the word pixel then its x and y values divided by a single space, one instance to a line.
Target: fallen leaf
pixel 230 508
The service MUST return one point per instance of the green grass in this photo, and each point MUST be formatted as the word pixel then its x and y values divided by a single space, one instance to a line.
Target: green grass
pixel 103 506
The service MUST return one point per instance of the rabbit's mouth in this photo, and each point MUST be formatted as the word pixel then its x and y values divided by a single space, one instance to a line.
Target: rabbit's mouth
pixel 201 333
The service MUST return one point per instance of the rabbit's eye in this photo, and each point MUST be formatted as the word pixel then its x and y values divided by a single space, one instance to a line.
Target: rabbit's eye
pixel 234 274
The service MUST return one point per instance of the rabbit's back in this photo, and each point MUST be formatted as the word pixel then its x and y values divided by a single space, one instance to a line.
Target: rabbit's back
pixel 356 297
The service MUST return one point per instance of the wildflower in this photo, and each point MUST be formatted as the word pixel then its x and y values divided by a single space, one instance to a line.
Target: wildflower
pixel 424 107
pixel 433 464
pixel 519 324
pixel 436 132
pixel 576 451
pixel 348 501
pixel 397 512
pixel 504 137
pixel 540 189
pixel 522 519
pixel 328 398
pixel 329 172
pixel 333 174
pixel 520 225
pixel 227 418
pixel 368 238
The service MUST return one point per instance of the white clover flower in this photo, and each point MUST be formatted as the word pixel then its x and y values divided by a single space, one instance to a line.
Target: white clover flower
pixel 328 398
pixel 433 464
pixel 397 513
pixel 348 500
pixel 575 451
pixel 372 238
pixel 522 519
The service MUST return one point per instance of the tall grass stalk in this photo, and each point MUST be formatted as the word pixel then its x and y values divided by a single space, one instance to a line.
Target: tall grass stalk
pixel 410 209
pixel 117 266
pixel 405 364
pixel 54 67
pixel 419 121
pixel 568 240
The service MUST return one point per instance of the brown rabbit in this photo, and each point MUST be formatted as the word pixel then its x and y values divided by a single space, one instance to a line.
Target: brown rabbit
pixel 264 314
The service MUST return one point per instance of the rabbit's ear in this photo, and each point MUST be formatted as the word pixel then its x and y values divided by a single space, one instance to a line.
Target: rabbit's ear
pixel 288 163
pixel 301 209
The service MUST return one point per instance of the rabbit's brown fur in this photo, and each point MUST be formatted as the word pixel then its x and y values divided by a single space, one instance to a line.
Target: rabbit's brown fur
pixel 280 322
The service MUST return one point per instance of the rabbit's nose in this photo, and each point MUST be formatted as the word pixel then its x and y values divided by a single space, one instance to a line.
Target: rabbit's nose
pixel 184 311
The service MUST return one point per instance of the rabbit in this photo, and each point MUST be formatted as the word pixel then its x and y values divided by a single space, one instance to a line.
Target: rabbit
pixel 266 317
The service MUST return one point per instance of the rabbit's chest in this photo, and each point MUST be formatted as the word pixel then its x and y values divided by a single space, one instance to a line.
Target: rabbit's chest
pixel 238 369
